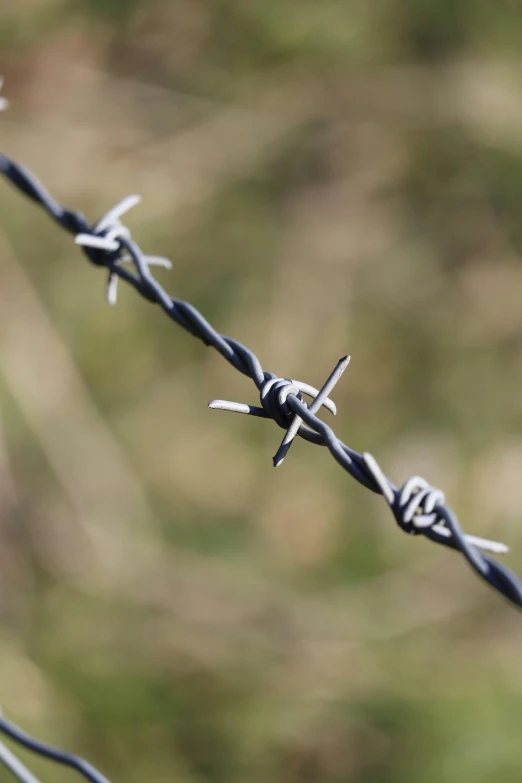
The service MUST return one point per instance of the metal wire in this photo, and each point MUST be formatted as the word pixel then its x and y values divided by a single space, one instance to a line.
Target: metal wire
pixel 418 508
pixel 20 771
pixel 15 766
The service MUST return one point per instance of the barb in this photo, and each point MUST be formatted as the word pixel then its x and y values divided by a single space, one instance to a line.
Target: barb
pixel 321 398
pixel 4 103
pixel 418 508
pixel 14 765
pixel 107 234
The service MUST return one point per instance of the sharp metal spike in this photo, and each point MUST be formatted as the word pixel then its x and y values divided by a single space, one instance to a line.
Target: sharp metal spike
pixel 238 407
pixel 15 766
pixel 112 289
pixel 324 392
pixel 91 240
pixel 114 214
pixel 4 103
pixel 383 483
pixel 156 261
pixel 481 543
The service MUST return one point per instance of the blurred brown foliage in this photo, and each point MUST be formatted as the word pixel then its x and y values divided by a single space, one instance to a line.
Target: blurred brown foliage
pixel 327 177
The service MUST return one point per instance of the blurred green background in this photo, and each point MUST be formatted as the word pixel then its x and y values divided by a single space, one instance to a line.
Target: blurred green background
pixel 327 177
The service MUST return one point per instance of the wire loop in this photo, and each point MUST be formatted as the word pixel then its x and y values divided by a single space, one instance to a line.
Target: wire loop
pixel 273 396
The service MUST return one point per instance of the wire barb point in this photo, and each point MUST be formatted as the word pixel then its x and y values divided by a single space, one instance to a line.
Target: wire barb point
pixel 4 103
pixel 417 505
pixel 238 407
pixel 108 235
pixel 320 398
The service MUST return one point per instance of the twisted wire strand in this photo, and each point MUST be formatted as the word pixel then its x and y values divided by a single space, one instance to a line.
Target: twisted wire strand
pixel 418 508
pixel 86 770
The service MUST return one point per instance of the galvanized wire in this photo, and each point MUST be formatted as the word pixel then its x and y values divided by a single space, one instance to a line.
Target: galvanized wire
pixel 20 771
pixel 418 508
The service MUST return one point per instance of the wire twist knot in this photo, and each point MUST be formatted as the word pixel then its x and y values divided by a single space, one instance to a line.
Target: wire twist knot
pixel 104 245
pixel 274 394
pixel 274 400
pixel 415 506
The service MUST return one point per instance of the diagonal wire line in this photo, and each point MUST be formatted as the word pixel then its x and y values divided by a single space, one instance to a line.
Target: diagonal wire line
pixel 418 508
pixel 86 770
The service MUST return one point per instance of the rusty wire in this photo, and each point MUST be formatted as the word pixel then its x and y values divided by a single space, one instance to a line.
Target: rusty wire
pixel 418 508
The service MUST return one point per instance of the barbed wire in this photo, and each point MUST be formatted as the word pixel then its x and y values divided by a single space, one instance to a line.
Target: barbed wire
pixel 418 507
pixel 20 771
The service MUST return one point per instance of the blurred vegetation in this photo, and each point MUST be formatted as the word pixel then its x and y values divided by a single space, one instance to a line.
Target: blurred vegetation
pixel 326 177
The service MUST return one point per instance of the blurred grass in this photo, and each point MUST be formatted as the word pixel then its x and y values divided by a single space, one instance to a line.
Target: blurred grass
pixel 326 177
